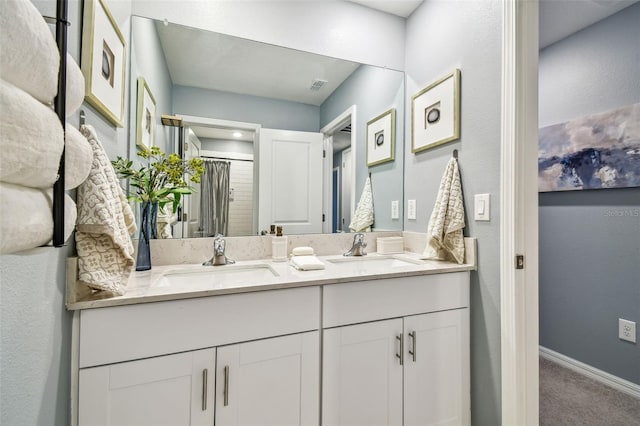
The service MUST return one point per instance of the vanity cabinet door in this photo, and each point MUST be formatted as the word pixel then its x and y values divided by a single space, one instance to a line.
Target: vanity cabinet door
pixel 362 375
pixel 269 382
pixel 436 379
pixel 172 390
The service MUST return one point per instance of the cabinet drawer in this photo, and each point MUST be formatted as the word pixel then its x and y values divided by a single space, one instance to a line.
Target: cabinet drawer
pixel 123 333
pixel 390 298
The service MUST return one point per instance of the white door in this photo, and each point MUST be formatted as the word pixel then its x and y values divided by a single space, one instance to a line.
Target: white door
pixel 271 382
pixel 436 372
pixel 362 375
pixel 173 390
pixel 290 183
pixel 192 202
pixel 346 184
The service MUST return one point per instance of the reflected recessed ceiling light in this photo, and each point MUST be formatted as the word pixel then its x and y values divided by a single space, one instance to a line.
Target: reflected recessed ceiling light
pixel 237 134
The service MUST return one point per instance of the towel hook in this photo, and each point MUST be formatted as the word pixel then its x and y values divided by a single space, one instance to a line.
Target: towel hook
pixel 83 118
pixel 455 154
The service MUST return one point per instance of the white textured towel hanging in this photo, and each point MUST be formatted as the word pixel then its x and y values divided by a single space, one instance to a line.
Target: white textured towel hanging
pixel 445 240
pixel 363 216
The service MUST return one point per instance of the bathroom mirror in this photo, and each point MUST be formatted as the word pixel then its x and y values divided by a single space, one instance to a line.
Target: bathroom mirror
pixel 285 130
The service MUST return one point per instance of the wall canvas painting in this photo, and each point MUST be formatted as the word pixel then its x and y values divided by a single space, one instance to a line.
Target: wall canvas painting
pixel 592 152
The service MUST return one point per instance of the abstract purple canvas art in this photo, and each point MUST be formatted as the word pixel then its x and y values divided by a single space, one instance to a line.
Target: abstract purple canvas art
pixel 591 152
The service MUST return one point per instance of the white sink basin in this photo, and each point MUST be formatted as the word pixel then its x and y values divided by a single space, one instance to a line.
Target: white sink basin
pixel 373 263
pixel 216 277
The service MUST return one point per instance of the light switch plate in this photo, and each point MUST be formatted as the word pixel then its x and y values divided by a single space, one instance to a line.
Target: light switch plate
pixel 482 207
pixel 395 209
pixel 411 209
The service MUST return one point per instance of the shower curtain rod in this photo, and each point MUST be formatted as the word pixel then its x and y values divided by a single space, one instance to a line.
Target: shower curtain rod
pixel 222 158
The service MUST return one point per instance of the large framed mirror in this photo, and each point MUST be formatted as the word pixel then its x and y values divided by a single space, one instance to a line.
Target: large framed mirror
pixel 282 132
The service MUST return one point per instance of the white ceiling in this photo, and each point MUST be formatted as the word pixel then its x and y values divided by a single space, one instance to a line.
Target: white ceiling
pixel 220 62
pixel 402 8
pixel 561 18
pixel 222 133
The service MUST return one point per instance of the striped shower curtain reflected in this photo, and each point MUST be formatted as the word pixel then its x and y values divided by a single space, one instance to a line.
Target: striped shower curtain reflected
pixel 214 205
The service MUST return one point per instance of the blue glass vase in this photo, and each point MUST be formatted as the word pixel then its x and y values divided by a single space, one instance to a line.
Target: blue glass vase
pixel 148 231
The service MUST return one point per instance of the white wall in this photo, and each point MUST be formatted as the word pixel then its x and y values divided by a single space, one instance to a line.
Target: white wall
pixel 35 337
pixel 334 28
pixel 441 36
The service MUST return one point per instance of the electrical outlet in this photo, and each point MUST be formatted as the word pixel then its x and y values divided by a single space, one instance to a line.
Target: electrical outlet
pixel 411 209
pixel 627 330
pixel 395 209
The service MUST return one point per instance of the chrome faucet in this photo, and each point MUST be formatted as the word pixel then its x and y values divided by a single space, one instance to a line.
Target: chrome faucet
pixel 219 258
pixel 357 249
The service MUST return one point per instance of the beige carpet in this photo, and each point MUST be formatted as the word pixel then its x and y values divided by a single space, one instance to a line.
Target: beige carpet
pixel 569 398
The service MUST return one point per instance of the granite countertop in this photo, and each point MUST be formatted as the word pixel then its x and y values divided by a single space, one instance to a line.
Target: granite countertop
pixel 172 282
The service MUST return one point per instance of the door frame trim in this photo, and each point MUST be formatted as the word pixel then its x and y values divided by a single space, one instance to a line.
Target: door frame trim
pixel 519 213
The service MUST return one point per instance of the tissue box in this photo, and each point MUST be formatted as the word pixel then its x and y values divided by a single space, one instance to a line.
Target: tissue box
pixel 390 245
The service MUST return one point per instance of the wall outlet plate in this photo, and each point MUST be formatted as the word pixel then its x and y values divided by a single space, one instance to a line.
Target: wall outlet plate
pixel 411 209
pixel 395 209
pixel 627 330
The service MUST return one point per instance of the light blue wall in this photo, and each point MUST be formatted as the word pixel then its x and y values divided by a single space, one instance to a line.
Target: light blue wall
pixel 148 61
pixel 442 36
pixel 373 90
pixel 220 145
pixel 35 328
pixel 270 113
pixel 590 240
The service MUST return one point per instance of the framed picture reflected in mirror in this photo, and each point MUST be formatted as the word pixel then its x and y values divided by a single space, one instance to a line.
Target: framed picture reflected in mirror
pixel 381 138
pixel 145 115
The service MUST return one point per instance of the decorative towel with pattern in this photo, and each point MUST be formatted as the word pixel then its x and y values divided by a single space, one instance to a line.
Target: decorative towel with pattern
pixel 105 223
pixel 363 216
pixel 445 240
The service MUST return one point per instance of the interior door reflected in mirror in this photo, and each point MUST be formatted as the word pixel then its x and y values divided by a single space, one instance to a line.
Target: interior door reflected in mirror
pixel 282 132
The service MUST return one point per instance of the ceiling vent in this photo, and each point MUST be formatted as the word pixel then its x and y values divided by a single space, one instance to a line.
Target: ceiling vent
pixel 317 84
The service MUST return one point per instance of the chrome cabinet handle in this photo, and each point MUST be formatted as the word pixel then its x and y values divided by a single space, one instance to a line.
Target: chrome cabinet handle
pixel 226 386
pixel 400 355
pixel 413 345
pixel 205 373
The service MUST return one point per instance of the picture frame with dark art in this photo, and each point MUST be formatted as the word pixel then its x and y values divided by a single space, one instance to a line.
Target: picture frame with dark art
pixel 103 61
pixel 381 138
pixel 145 116
pixel 435 113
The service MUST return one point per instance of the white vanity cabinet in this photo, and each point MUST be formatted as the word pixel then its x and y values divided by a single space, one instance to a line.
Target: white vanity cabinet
pixel 412 368
pixel 168 390
pixel 202 360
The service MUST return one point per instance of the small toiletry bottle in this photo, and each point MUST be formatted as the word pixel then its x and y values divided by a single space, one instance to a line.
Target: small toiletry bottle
pixel 279 247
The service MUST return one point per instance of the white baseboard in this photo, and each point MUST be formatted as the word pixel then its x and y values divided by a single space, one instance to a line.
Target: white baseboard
pixel 610 380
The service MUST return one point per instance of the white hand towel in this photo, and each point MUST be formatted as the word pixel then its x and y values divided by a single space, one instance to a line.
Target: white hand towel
pixel 306 263
pixel 26 220
pixel 32 139
pixel 29 57
pixel 78 157
pixel 445 240
pixel 363 216
pixel 105 223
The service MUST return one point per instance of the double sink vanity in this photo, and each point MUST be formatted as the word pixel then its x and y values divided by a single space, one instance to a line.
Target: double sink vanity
pixel 368 340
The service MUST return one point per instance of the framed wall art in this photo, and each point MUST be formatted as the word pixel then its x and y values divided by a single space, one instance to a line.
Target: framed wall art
pixel 435 113
pixel 591 152
pixel 145 115
pixel 103 61
pixel 381 138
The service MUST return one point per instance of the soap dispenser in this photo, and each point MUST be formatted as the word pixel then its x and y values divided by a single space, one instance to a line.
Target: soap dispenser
pixel 279 246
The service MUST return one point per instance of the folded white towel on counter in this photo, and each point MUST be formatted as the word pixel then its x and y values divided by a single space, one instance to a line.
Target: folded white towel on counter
pixel 363 216
pixel 78 157
pixel 26 219
pixel 306 263
pixel 445 240
pixel 32 139
pixel 29 57
pixel 105 223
